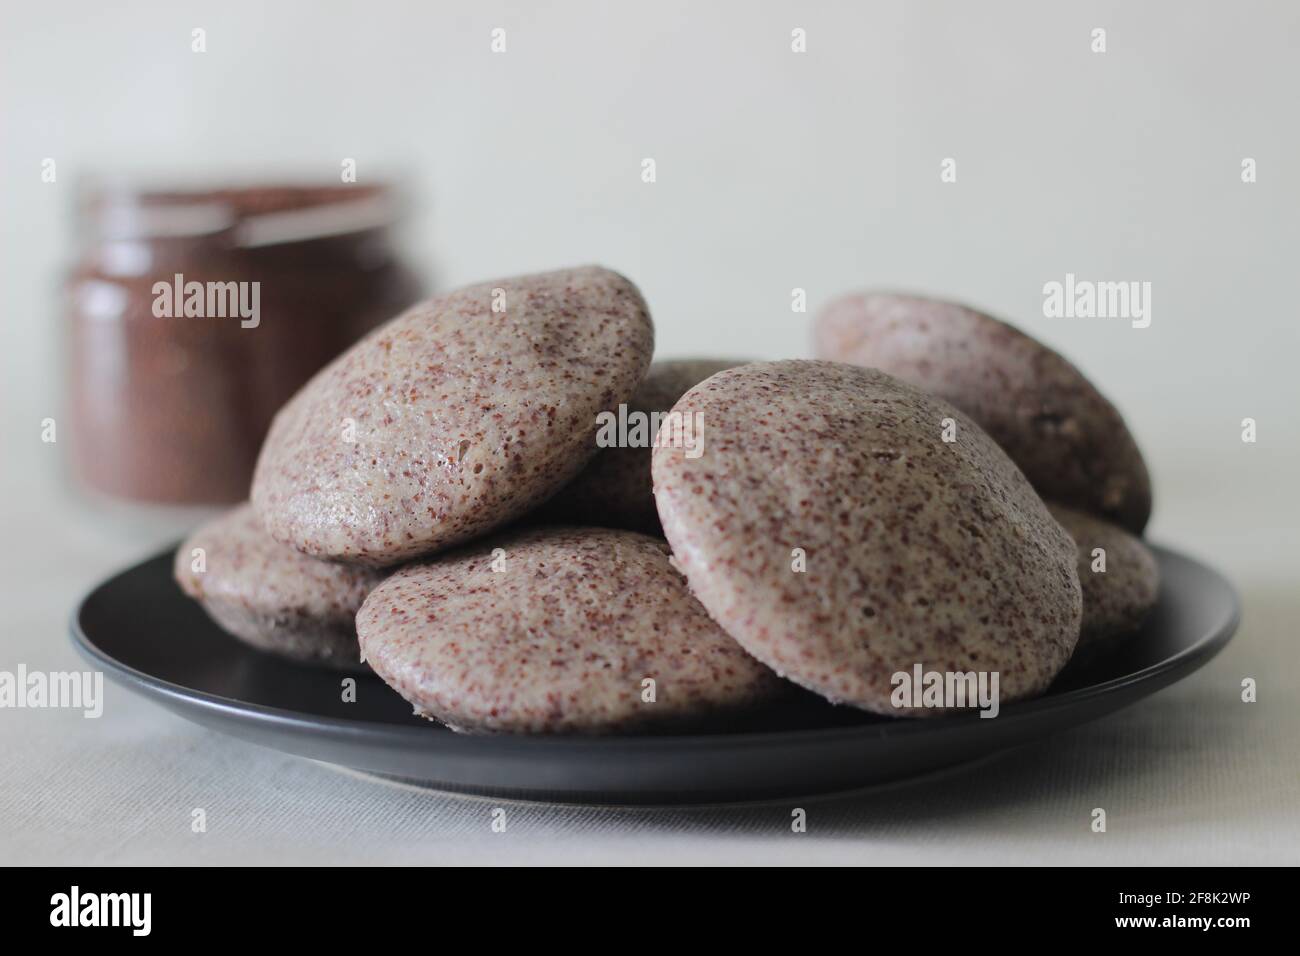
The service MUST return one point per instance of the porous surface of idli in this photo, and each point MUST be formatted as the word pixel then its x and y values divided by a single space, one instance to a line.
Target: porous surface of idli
pixel 458 416
pixel 561 639
pixel 1067 438
pixel 272 596
pixel 831 530
pixel 1118 599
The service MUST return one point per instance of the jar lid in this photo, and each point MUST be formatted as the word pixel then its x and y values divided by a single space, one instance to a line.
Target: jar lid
pixel 245 217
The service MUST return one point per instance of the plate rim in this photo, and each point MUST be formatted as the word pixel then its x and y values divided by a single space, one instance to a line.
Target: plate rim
pixel 1186 660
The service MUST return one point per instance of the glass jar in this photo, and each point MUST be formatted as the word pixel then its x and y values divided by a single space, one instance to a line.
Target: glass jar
pixel 193 316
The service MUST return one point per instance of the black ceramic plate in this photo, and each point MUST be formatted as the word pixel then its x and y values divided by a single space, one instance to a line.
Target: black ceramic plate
pixel 145 633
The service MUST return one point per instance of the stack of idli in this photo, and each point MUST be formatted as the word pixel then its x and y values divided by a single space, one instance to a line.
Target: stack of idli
pixel 502 507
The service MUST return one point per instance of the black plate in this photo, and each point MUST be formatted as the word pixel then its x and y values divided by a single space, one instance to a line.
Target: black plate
pixel 145 633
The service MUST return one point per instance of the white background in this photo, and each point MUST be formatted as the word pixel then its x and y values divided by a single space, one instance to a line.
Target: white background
pixel 775 170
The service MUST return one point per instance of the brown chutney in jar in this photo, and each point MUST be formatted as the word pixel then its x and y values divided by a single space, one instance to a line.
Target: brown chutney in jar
pixel 193 316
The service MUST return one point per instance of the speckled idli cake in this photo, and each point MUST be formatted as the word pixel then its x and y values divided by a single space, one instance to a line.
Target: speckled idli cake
pixel 271 596
pixel 1068 439
pixel 839 538
pixel 458 416
pixel 557 630
pixel 1116 600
